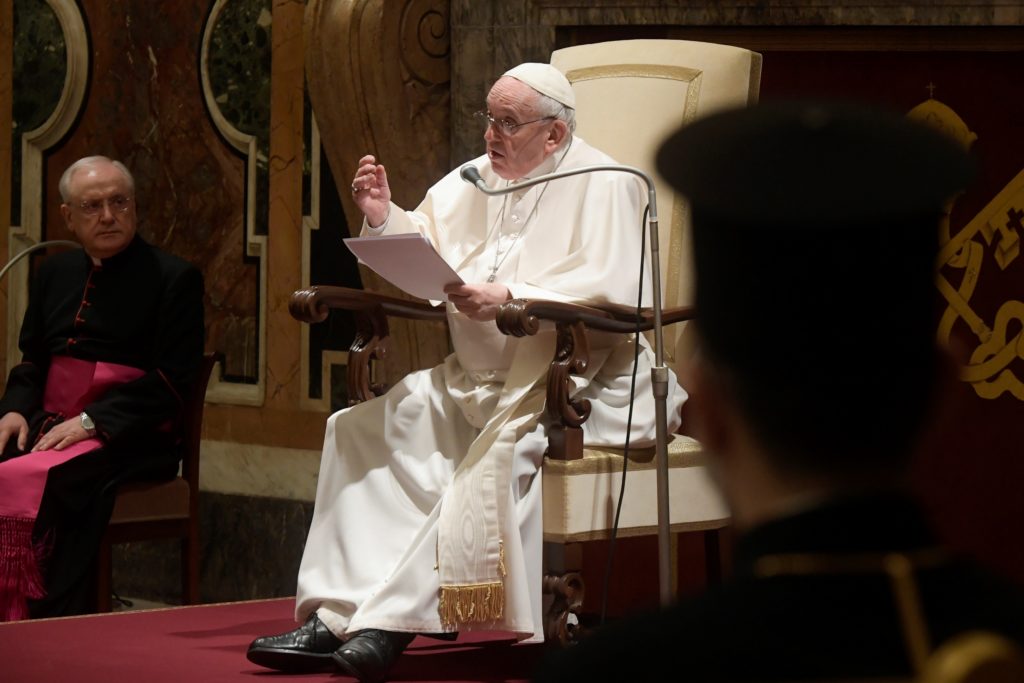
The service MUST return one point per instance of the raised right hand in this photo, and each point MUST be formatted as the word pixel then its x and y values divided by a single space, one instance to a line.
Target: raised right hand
pixel 371 192
pixel 13 424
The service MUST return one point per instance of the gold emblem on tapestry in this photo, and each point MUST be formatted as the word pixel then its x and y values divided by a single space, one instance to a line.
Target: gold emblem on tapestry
pixel 998 340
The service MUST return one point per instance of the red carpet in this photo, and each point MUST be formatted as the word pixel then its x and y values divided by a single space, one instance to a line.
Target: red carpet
pixel 208 643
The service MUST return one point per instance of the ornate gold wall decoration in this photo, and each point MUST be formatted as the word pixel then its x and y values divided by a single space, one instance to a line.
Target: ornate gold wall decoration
pixel 378 78
pixel 998 226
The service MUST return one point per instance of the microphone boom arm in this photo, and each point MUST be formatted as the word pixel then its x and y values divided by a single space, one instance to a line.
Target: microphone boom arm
pixel 659 373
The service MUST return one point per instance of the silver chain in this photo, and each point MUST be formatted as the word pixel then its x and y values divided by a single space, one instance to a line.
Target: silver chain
pixel 494 228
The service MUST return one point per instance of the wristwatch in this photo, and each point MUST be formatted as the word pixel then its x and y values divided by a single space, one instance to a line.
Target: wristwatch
pixel 87 424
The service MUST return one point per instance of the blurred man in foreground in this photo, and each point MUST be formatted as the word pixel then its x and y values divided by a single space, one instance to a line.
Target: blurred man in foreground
pixel 815 240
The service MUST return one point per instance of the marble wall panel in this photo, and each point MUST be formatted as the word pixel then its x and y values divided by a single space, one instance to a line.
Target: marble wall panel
pixel 472 13
pixel 253 470
pixel 285 170
pixel 236 62
pixel 238 68
pixel 251 548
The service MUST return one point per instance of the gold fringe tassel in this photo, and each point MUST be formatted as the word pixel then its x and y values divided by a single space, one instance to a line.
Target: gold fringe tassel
pixel 469 603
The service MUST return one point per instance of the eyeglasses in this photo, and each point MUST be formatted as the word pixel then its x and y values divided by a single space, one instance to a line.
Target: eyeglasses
pixel 505 126
pixel 118 204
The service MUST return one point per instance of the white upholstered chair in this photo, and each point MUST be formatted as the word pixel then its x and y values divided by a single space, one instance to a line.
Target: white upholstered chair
pixel 630 96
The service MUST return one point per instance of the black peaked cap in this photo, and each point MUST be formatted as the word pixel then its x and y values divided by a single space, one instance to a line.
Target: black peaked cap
pixel 800 162
pixel 815 229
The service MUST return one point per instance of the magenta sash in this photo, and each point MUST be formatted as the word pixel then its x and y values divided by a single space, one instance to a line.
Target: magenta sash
pixel 71 384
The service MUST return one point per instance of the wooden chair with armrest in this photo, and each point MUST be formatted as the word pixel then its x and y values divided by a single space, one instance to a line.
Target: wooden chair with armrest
pixel 168 509
pixel 630 95
pixel 581 485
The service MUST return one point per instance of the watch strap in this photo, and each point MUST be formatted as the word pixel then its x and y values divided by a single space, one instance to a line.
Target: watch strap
pixel 87 424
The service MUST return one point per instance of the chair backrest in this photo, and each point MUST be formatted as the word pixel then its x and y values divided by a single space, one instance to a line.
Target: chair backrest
pixel 165 509
pixel 630 95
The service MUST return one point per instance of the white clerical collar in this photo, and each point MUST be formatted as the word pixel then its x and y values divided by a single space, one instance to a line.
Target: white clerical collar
pixel 550 163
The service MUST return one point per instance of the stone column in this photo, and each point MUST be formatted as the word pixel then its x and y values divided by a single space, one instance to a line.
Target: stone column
pixel 285 220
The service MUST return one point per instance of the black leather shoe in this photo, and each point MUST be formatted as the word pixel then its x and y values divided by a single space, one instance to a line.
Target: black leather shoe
pixel 370 654
pixel 443 635
pixel 307 648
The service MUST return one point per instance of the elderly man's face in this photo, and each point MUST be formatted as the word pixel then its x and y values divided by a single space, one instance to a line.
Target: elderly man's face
pixel 515 154
pixel 101 210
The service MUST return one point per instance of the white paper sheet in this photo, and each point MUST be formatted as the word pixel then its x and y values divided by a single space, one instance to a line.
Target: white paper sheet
pixel 407 261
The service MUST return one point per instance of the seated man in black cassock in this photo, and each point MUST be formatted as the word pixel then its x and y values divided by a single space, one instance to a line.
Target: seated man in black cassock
pixel 815 229
pixel 112 339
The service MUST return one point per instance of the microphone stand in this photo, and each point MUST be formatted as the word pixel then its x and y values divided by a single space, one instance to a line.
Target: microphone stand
pixel 659 373
pixel 35 247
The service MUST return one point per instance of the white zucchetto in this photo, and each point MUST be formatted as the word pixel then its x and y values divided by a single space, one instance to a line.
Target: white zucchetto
pixel 545 79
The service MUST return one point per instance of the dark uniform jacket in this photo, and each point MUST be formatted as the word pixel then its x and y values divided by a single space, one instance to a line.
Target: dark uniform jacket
pixel 835 622
pixel 142 308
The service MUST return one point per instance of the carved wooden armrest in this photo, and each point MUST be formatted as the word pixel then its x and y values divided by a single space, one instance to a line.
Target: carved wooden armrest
pixel 522 317
pixel 311 305
pixel 371 311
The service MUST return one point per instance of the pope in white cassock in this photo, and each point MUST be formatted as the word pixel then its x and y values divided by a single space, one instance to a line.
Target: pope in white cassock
pixel 428 507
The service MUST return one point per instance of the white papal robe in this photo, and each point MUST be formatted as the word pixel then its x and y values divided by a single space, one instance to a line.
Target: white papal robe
pixel 370 559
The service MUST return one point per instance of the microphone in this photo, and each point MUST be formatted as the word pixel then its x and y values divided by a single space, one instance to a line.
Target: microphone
pixel 471 175
pixel 35 247
pixel 659 372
